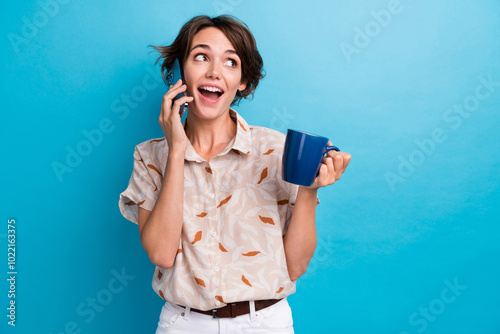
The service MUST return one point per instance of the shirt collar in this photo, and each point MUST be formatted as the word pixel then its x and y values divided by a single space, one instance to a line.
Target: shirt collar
pixel 241 142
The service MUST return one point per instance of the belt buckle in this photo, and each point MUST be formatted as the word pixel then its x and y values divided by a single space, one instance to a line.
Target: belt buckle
pixel 214 313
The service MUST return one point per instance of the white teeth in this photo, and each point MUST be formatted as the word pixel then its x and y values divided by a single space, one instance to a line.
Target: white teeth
pixel 211 89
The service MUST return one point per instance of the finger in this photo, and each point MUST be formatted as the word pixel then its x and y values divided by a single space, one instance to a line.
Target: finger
pixel 184 99
pixel 166 114
pixel 330 170
pixel 177 83
pixel 347 160
pixel 346 157
pixel 169 96
pixel 177 103
pixel 176 89
pixel 166 105
pixel 322 179
pixel 331 152
pixel 338 164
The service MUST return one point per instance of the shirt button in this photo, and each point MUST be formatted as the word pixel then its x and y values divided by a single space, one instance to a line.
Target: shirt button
pixel 213 234
pixel 211 195
pixel 216 269
pixel 217 303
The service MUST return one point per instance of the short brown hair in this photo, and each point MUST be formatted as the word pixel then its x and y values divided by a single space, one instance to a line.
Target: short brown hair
pixel 236 32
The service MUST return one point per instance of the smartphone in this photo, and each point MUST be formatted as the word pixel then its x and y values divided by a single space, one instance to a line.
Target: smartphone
pixel 173 75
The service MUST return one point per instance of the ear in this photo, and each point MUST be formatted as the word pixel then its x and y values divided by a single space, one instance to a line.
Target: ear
pixel 242 86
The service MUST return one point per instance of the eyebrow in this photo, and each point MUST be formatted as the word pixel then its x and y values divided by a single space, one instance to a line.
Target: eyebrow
pixel 205 46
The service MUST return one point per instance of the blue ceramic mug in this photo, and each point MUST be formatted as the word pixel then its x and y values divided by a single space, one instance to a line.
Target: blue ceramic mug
pixel 302 156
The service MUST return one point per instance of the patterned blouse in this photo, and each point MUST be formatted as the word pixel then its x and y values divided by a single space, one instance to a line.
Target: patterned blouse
pixel 236 211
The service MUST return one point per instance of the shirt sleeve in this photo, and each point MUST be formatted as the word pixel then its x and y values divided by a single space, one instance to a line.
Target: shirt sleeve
pixel 292 192
pixel 141 191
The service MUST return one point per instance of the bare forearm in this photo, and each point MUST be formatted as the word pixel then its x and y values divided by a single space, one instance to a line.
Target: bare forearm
pixel 162 231
pixel 300 238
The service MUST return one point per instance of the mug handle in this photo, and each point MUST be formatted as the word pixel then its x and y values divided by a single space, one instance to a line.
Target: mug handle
pixel 329 148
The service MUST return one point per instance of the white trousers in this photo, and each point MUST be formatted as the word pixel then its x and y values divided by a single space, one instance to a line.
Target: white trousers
pixel 276 318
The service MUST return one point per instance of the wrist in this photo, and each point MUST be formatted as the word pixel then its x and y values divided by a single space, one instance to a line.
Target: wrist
pixel 176 154
pixel 307 192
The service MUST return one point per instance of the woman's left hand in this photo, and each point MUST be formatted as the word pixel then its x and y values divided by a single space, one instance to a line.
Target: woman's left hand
pixel 332 168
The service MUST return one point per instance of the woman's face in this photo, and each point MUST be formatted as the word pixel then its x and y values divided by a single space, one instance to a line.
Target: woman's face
pixel 212 72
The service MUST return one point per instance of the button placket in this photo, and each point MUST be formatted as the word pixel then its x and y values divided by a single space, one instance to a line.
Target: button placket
pixel 211 193
pixel 215 261
pixel 212 233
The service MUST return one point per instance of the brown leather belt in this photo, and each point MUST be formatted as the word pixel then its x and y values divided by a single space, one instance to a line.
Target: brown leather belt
pixel 232 310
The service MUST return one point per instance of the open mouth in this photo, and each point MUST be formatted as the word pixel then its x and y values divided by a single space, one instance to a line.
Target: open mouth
pixel 210 93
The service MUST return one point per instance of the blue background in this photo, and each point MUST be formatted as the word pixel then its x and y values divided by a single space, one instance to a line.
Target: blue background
pixel 404 223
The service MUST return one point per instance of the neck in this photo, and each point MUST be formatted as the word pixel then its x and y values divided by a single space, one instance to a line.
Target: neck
pixel 210 137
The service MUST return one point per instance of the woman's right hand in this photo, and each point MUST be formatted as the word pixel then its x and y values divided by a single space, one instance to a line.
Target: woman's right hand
pixel 170 120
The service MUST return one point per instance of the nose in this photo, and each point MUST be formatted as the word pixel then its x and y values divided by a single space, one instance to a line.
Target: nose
pixel 214 70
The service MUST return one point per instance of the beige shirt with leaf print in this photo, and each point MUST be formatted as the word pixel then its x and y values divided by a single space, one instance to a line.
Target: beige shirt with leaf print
pixel 236 211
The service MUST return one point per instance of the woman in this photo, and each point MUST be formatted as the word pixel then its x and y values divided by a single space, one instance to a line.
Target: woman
pixel 228 236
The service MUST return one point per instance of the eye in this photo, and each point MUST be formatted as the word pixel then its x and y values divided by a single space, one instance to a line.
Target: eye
pixel 200 57
pixel 230 62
